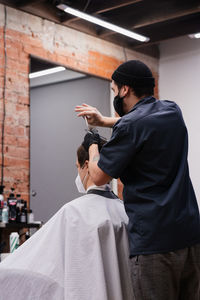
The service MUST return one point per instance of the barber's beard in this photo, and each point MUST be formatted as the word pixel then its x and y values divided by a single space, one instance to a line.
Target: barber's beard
pixel 118 103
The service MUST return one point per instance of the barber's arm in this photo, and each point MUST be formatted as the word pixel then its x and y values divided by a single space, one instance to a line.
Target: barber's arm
pixel 92 143
pixel 99 177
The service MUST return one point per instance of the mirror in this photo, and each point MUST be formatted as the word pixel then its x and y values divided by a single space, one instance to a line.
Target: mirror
pixel 56 132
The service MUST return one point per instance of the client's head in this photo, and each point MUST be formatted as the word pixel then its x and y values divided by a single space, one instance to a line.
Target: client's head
pixel 84 180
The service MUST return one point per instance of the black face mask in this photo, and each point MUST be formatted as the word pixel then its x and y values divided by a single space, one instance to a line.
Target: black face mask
pixel 118 105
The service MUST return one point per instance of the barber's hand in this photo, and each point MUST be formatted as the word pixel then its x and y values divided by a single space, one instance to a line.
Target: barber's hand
pixel 92 137
pixel 94 117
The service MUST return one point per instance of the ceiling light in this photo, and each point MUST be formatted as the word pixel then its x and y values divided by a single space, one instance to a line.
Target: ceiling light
pixel 102 23
pixel 46 72
pixel 195 35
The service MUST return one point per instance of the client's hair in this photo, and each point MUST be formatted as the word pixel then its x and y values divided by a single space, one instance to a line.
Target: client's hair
pixel 83 155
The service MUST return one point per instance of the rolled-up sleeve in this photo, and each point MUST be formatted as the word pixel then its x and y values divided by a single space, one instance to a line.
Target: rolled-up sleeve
pixel 117 153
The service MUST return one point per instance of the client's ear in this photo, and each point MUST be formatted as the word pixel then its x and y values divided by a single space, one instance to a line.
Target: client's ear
pixel 86 163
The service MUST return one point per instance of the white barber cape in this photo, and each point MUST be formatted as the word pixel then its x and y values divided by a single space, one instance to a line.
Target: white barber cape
pixel 81 253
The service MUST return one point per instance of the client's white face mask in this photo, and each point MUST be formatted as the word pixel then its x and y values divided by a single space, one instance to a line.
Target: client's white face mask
pixel 79 185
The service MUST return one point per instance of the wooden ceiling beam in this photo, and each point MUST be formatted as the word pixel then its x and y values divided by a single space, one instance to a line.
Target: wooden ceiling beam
pixel 111 5
pixel 156 20
pixel 165 18
pixel 184 28
pixel 104 7
pixel 23 3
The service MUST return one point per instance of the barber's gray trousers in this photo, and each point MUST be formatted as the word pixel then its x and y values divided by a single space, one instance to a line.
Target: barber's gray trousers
pixel 169 276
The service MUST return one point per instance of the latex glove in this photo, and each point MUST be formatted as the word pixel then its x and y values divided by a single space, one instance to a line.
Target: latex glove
pixel 91 137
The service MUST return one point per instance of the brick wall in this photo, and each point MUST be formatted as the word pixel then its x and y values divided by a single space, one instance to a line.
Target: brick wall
pixel 28 35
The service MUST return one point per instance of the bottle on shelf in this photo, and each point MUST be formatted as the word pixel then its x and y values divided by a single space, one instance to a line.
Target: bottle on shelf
pixel 12 202
pixel 1 208
pixel 1 201
pixel 24 212
pixel 18 208
pixel 14 241
pixel 30 216
pixel 5 213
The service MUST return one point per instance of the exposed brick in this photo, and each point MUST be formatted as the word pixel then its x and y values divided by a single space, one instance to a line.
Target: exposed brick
pixel 16 79
pixel 38 51
pixel 102 64
pixel 13 35
pixel 23 187
pixel 11 120
pixel 14 44
pixel 17 66
pixel 10 108
pixel 11 96
pixel 18 174
pixel 1 72
pixel 28 131
pixel 19 131
pixel 24 99
pixel 31 41
pixel 11 140
pixel 16 97
pixel 12 52
pixel 17 152
pixel 21 86
pixel 22 108
pixel 23 142
pixel 22 163
pixel 9 130
pixel 24 120
pixel 1 80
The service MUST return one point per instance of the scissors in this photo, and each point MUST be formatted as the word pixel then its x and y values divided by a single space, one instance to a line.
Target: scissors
pixel 89 127
pixel 92 129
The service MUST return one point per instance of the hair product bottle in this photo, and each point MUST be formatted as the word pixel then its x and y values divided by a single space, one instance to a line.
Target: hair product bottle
pixel 5 212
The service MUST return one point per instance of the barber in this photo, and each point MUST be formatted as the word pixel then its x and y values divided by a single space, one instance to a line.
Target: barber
pixel 148 151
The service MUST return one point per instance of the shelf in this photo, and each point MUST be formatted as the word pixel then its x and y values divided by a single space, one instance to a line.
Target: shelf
pixel 20 225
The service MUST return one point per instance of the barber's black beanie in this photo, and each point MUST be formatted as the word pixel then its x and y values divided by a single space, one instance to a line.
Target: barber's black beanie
pixel 134 73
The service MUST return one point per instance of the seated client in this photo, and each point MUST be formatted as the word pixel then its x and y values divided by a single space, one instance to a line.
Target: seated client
pixel 81 253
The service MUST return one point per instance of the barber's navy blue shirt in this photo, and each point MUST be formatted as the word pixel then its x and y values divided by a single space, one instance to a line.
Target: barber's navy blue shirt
pixel 148 152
